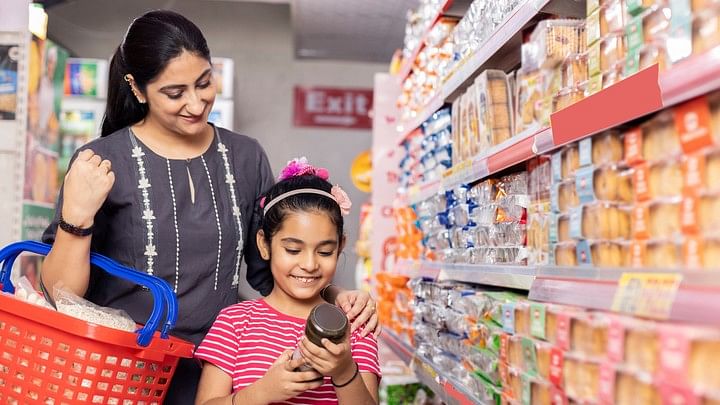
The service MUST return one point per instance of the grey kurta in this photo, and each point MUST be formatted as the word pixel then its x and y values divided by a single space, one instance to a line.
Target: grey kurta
pixel 194 232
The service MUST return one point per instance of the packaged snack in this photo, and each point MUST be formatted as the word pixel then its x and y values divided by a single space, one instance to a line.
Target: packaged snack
pixel 495 120
pixel 612 15
pixel 567 97
pixel 707 213
pixel 565 254
pixel 654 53
pixel 612 53
pixel 635 389
pixel 574 70
pixel 702 5
pixel 25 291
pixel 570 160
pixel 589 335
pixel 659 139
pixel 603 253
pixel 474 139
pixel 689 357
pixel 664 179
pixel 605 183
pixel 556 39
pixel 604 221
pixel 706 32
pixel 641 345
pixel 563 232
pixel 592 28
pixel 663 255
pixel 663 219
pixel 567 196
pixel 602 149
pixel 581 380
pixel 529 95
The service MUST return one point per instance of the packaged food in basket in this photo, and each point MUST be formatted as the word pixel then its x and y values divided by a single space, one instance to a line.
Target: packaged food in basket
pixel 555 39
pixel 70 304
pixel 25 291
pixel 494 107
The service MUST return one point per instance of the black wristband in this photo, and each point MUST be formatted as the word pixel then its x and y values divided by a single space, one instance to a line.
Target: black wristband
pixel 357 371
pixel 74 230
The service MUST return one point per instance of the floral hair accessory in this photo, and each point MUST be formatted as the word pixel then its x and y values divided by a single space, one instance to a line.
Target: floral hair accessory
pixel 342 199
pixel 301 167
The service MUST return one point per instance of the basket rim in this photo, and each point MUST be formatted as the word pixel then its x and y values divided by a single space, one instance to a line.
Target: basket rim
pixel 58 321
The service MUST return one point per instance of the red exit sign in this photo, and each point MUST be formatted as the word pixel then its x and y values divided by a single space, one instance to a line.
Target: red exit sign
pixel 332 107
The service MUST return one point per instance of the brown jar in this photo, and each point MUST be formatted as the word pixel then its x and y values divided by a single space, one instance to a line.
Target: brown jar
pixel 326 321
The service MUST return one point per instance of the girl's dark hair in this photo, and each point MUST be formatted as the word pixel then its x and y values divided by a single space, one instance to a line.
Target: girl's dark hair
pixel 151 41
pixel 305 202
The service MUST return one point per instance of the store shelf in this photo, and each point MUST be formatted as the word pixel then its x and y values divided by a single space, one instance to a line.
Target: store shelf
pixel 403 350
pixel 406 128
pixel 671 295
pixel 449 391
pixel 407 64
pixel 507 276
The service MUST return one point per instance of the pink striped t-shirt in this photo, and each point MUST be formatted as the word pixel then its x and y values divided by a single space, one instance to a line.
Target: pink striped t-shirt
pixel 248 337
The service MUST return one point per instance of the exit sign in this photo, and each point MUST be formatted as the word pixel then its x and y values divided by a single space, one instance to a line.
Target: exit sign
pixel 332 107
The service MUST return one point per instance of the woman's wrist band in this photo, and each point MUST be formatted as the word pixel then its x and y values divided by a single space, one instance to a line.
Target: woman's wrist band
pixel 357 371
pixel 73 229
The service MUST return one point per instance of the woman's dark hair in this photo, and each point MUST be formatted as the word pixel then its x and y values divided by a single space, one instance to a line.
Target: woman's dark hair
pixel 305 202
pixel 151 41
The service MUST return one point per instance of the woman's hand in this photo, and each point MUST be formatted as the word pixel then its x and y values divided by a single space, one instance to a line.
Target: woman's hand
pixel 282 382
pixel 331 360
pixel 360 309
pixel 87 185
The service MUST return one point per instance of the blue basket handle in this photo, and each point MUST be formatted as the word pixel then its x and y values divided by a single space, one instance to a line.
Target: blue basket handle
pixel 161 291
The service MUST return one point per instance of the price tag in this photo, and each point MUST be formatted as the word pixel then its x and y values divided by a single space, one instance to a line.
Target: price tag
pixel 585 151
pixel 646 294
pixel 537 320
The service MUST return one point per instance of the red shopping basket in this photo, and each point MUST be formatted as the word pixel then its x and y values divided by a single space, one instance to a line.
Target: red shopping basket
pixel 50 358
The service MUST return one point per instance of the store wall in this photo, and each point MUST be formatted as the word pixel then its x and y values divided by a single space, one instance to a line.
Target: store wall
pixel 259 38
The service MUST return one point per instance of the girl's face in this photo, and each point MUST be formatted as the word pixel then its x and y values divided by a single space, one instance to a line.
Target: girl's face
pixel 181 97
pixel 304 254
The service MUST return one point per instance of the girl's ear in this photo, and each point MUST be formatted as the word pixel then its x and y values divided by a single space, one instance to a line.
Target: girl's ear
pixel 262 245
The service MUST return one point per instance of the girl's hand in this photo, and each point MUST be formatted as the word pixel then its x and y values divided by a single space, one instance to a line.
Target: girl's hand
pixel 281 382
pixel 360 308
pixel 331 360
pixel 87 185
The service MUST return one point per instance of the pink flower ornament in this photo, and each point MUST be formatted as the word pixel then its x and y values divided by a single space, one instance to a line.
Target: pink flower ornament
pixel 301 167
pixel 342 199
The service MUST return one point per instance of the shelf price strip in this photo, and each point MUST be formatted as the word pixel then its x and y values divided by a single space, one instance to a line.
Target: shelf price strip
pixel 647 294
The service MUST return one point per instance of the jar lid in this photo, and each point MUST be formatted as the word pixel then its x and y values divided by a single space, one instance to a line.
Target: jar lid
pixel 328 321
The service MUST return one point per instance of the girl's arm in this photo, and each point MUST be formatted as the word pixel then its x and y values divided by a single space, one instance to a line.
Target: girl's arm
pixel 215 385
pixel 356 388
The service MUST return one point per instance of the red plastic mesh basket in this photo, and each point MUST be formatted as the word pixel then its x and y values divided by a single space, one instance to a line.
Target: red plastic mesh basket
pixel 47 357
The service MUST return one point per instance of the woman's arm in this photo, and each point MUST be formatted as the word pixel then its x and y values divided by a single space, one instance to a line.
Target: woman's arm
pixel 358 305
pixel 86 187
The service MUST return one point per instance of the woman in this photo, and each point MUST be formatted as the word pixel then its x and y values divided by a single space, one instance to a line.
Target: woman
pixel 167 193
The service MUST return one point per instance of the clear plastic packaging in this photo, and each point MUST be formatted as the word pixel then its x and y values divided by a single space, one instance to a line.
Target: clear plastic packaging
pixel 77 307
pixel 555 39
pixel 24 291
pixel 494 106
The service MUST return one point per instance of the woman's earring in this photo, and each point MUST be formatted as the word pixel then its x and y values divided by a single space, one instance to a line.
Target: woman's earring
pixel 128 79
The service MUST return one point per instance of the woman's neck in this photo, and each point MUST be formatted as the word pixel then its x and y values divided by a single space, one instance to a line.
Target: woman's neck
pixel 171 145
pixel 291 306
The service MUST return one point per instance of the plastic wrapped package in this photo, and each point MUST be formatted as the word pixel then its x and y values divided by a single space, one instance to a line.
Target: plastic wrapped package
pixel 484 192
pixel 77 307
pixel 605 183
pixel 565 254
pixel 635 389
pixel 456 322
pixel 574 70
pixel 604 253
pixel 563 228
pixel 612 17
pixel 512 208
pixel 635 344
pixel 486 363
pixel 529 95
pixel 485 392
pixel 664 179
pixel 489 337
pixel 605 148
pixel 555 39
pixel 599 221
pixel 567 196
pixel 589 335
pixel 657 220
pixel 706 30
pixel 690 356
pixel 567 97
pixel 494 107
pixel 663 254
pixel 514 184
pixel 570 160
pixel 581 379
pixel 657 139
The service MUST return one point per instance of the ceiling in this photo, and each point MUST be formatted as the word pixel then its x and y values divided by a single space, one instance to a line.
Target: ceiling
pixel 352 30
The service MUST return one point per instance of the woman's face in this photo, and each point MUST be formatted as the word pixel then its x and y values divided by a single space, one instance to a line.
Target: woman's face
pixel 181 97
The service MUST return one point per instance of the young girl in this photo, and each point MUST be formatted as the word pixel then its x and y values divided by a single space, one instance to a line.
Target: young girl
pixel 248 351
